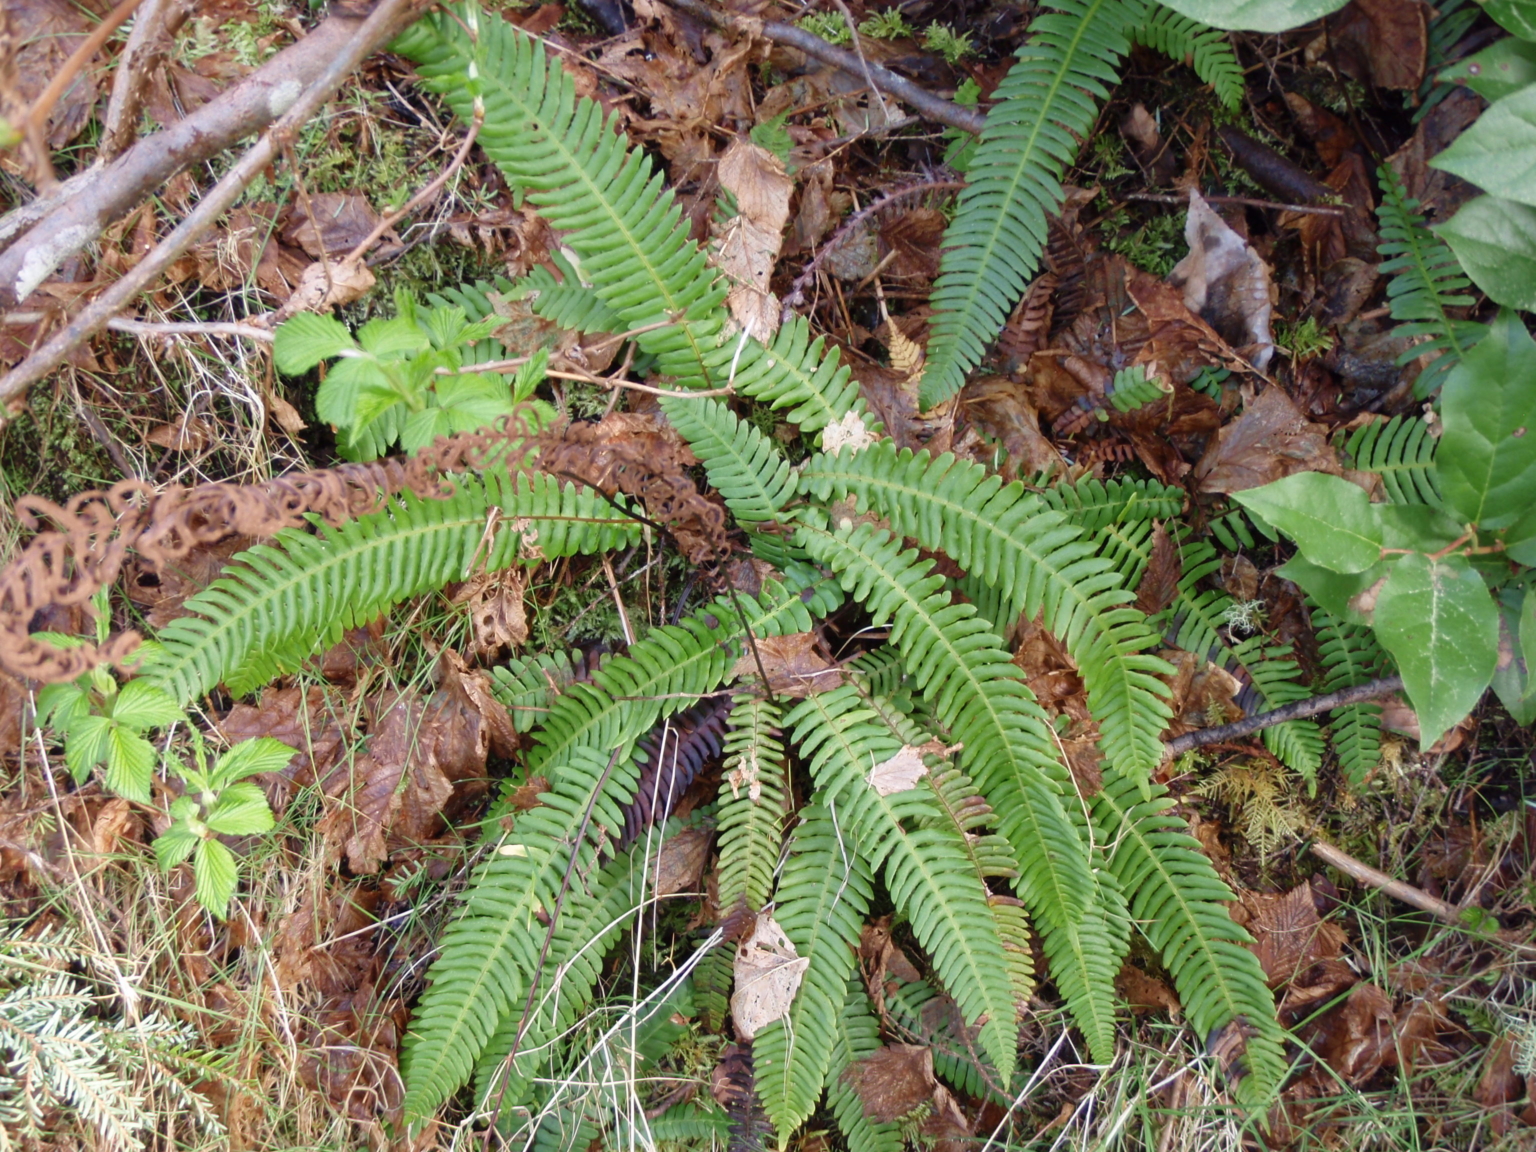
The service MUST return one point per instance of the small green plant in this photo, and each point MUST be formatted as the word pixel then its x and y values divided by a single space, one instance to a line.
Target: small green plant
pixel 960 146
pixel 1155 246
pixel 220 801
pixel 1305 339
pixel 946 42
pixel 888 25
pixel 830 26
pixel 406 380
pixel 1439 583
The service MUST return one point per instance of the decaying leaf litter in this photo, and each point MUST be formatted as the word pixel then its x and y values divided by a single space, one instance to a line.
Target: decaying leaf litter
pixel 1228 260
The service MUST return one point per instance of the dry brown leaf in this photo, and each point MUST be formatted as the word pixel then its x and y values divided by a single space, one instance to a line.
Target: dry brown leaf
pixel 45 33
pixel 1269 441
pixel 999 409
pixel 1145 993
pixel 748 244
pixel 680 861
pixel 1160 581
pixel 850 432
pixel 900 773
pixel 161 592
pixel 768 972
pixel 1141 132
pixel 1226 283
pixel 794 665
pixel 14 707
pixel 1384 42
pixel 496 610
pixel 1288 935
pixel 913 239
pixel 187 435
pixel 313 721
pixel 328 225
pixel 892 1080
pixel 1356 1038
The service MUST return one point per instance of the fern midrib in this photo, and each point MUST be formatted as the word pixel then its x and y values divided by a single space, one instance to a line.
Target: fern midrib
pixel 1427 282
pixel 167 674
pixel 1026 156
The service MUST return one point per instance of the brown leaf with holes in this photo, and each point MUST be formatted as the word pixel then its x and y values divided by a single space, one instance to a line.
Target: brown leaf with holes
pixel 1203 693
pixel 1226 283
pixel 496 612
pixel 768 972
pixel 747 245
pixel 892 1080
pixel 794 664
pixel 1159 582
pixel 1288 935
pixel 314 722
pixel 1269 441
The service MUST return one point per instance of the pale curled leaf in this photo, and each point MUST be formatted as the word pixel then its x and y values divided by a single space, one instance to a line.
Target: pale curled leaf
pixel 768 972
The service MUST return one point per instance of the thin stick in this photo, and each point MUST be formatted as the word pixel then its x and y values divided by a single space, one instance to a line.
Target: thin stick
pixel 931 106
pixel 858 50
pixel 211 328
pixel 1247 727
pixel 378 29
pixel 1397 889
pixel 37 115
pixel 1310 209
pixel 618 601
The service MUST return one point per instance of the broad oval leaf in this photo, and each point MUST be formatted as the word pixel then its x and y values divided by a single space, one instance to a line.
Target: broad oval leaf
pixel 1495 242
pixel 1330 519
pixel 1487 453
pixel 1498 153
pixel 1438 623
pixel 1517 16
pixel 1497 71
pixel 1255 15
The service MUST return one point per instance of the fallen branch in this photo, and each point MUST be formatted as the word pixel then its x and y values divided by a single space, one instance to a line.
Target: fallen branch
pixel 1302 708
pixel 378 29
pixel 40 236
pixel 1407 893
pixel 1246 201
pixel 930 106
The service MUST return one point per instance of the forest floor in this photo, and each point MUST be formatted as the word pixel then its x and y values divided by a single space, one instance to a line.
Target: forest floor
pixel 282 1024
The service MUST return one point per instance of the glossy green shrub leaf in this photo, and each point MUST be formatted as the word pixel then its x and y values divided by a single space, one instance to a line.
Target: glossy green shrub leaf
pixel 1487 455
pixel 1517 16
pixel 1330 519
pixel 1498 152
pixel 1497 71
pixel 1438 623
pixel 1512 679
pixel 1495 240
pixel 1255 15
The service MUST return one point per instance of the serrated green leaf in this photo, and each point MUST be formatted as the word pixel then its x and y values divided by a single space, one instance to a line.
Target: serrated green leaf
pixel 130 764
pixel 249 757
pixel 1516 16
pixel 1498 152
pixel 1487 453
pixel 215 873
pixel 86 746
pixel 303 341
pixel 241 810
pixel 393 338
pixel 1497 71
pixel 1330 519
pixel 1438 623
pixel 336 399
pixel 1255 15
pixel 174 845
pixel 1494 240
pixel 141 705
pixel 62 705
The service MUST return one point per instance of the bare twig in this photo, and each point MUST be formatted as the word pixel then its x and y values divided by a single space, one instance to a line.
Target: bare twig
pixel 38 237
pixel 211 328
pixel 1248 201
pixel 1247 727
pixel 378 29
pixel 931 106
pixel 1397 889
pixel 154 26
pixel 37 115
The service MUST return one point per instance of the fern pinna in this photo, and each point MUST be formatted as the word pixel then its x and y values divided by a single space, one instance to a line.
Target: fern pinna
pixel 982 841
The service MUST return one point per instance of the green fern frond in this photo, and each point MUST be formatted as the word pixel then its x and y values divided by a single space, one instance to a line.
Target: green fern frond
pixel 1427 281
pixel 680 1124
pixel 925 868
pixel 857 1036
pixel 527 684
pixel 1082 958
pixel 1008 539
pixel 979 695
pixel 822 901
pixel 1180 905
pixel 1351 656
pixel 1234 530
pixel 1205 49
pixel 488 955
pixel 1045 105
pixel 742 464
pixel 567 302
pixel 1091 503
pixel 754 790
pixel 1198 621
pixel 598 908
pixel 276 604
pixel 1402 452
